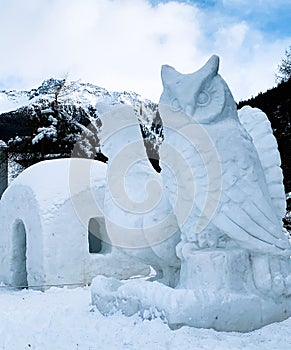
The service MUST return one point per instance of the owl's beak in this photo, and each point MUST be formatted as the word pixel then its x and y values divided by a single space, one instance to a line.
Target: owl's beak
pixel 189 110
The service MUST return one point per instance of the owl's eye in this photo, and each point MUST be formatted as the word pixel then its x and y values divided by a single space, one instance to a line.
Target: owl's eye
pixel 175 105
pixel 203 98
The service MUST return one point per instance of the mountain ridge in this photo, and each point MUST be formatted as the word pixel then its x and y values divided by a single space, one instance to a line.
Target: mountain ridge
pixel 50 119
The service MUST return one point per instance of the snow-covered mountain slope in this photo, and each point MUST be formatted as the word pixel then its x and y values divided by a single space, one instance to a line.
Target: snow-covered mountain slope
pixel 57 112
pixel 11 100
pixel 74 93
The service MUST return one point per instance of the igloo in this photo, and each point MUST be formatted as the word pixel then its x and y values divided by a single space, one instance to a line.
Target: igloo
pixel 51 235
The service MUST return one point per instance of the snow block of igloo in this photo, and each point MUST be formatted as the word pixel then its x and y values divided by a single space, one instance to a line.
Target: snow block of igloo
pixel 53 230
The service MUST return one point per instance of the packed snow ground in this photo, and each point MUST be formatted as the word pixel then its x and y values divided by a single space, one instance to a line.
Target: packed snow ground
pixel 63 319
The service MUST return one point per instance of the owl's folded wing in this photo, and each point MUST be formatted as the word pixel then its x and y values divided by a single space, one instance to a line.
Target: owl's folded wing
pixel 247 215
pixel 259 128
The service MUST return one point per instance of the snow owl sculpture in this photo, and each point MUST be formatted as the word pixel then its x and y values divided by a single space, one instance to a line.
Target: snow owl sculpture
pixel 234 166
pixel 222 179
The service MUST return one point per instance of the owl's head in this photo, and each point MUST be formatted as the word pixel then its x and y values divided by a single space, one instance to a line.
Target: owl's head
pixel 202 95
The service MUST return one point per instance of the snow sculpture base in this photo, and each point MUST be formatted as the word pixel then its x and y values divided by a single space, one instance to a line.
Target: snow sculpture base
pixel 221 290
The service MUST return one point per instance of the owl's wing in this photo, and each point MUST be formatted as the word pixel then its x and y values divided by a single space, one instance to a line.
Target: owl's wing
pixel 247 213
pixel 258 126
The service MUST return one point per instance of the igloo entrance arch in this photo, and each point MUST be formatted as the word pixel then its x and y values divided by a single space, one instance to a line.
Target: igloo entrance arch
pixel 19 248
pixel 98 239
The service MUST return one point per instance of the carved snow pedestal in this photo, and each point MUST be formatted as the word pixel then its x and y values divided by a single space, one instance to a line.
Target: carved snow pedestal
pixel 221 289
pixel 221 172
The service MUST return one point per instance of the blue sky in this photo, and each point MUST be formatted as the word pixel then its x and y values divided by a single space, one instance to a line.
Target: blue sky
pixel 121 44
pixel 271 16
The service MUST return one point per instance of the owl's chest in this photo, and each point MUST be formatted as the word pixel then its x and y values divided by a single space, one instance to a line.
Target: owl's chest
pixel 240 166
pixel 233 144
pixel 223 148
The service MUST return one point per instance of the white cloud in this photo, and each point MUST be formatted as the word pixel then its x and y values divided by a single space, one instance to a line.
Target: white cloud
pixel 249 61
pixel 121 44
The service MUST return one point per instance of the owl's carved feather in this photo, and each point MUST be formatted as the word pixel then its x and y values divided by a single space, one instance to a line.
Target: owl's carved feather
pixel 258 126
pixel 247 212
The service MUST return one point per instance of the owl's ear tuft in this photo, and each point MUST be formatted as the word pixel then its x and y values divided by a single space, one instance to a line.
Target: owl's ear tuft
pixel 169 74
pixel 213 64
pixel 209 70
